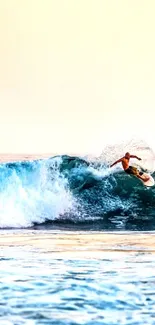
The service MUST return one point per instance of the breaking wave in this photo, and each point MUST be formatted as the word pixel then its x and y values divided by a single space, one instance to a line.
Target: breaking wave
pixel 76 191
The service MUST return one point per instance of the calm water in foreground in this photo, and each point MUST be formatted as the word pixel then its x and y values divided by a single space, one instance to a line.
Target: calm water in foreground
pixel 77 278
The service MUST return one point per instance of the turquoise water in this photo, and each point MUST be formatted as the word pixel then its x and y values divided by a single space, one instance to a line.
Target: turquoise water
pixel 48 278
pixel 79 285
pixel 73 190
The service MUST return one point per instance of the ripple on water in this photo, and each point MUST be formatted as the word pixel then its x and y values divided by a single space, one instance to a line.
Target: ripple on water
pixel 36 289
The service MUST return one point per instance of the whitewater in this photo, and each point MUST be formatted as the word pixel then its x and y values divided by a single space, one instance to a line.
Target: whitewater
pixel 80 191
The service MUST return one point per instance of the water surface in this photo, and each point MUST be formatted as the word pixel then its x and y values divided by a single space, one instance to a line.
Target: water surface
pixel 77 277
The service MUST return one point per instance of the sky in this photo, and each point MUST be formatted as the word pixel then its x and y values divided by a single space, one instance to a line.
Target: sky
pixel 76 74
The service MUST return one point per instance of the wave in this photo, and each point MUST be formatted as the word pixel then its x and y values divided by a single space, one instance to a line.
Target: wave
pixel 72 190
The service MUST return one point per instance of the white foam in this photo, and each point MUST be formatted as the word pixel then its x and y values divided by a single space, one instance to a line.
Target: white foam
pixel 23 204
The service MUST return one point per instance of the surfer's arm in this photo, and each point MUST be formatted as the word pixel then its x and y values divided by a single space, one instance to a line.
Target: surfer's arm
pixel 116 162
pixel 133 156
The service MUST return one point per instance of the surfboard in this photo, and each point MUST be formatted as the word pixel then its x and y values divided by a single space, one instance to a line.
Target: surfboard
pixel 150 182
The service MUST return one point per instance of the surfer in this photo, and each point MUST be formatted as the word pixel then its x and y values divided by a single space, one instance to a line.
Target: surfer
pixel 130 169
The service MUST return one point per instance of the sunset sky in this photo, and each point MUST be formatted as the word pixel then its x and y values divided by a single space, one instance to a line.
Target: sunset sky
pixel 76 74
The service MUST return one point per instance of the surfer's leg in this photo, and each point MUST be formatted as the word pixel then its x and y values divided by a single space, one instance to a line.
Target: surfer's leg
pixel 143 178
pixel 135 172
pixel 132 171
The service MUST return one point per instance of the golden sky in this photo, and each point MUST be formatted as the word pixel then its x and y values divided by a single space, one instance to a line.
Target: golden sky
pixel 75 74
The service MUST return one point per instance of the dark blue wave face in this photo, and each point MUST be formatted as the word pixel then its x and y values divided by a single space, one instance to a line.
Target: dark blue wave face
pixel 69 192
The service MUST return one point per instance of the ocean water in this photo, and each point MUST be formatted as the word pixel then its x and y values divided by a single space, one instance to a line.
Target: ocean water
pixel 53 277
pixel 76 242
